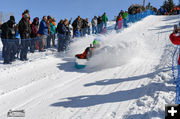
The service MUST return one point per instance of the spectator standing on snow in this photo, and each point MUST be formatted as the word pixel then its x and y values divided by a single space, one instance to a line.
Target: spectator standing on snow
pixel 104 19
pixel 8 33
pixel 100 24
pixel 34 33
pixel 94 25
pixel 52 31
pixel 61 29
pixel 119 22
pixel 85 27
pixel 4 28
pixel 68 34
pixel 48 40
pixel 63 35
pixel 43 33
pixel 77 23
pixel 25 31
pixel 125 18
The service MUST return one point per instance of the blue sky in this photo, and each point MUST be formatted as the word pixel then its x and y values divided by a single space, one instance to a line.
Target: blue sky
pixel 61 9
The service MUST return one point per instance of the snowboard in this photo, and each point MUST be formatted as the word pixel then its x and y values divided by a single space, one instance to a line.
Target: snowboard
pixel 80 63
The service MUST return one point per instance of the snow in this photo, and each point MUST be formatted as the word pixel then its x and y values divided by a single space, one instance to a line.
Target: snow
pixel 128 78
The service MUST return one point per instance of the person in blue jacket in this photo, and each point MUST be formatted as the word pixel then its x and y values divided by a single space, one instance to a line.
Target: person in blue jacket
pixel 43 33
pixel 78 32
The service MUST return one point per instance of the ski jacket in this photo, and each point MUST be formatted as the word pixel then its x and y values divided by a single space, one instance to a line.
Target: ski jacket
pixel 175 39
pixel 24 28
pixel 53 27
pixel 43 28
pixel 34 28
pixel 94 22
pixel 77 24
pixel 85 24
pixel 99 20
pixel 125 15
pixel 62 29
pixel 4 29
pixel 86 54
pixel 104 18
pixel 119 18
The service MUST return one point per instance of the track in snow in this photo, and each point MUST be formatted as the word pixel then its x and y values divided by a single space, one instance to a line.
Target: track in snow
pixel 50 87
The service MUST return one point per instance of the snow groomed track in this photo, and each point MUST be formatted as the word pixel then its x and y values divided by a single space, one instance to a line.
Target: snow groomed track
pixel 133 80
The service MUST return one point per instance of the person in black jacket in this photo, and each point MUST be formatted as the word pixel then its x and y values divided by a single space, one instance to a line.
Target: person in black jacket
pixel 4 34
pixel 100 24
pixel 77 23
pixel 24 30
pixel 10 46
pixel 63 35
pixel 61 29
pixel 85 27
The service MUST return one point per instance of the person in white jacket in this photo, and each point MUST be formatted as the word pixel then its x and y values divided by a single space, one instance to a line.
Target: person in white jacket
pixel 94 25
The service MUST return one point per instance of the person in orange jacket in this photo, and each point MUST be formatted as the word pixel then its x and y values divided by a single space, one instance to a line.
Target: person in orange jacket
pixel 175 38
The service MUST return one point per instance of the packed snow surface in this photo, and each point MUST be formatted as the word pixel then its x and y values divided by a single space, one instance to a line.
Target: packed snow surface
pixel 129 77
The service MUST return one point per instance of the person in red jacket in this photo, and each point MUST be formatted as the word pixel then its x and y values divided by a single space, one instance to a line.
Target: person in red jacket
pixel 175 38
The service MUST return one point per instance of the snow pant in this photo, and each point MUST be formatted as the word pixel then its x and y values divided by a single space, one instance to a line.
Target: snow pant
pixel 32 45
pixel 125 23
pixel 53 37
pixel 67 42
pixel 94 29
pixel 42 42
pixel 104 24
pixel 13 50
pixel 120 24
pixel 100 27
pixel 6 52
pixel 37 44
pixel 89 30
pixel 9 51
pixel 4 45
pixel 49 38
pixel 61 42
pixel 18 45
pixel 24 49
pixel 84 31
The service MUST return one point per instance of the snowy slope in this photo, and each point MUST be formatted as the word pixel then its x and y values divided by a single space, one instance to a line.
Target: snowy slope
pixel 130 77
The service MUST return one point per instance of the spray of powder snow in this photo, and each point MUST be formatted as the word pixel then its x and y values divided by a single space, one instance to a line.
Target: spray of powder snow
pixel 114 50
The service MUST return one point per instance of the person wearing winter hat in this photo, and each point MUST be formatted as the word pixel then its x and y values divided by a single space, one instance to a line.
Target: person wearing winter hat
pixel 24 30
pixel 12 18
pixel 34 32
pixel 4 33
pixel 88 53
pixel 10 47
